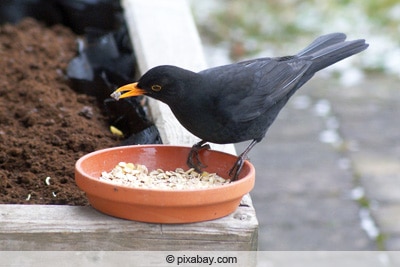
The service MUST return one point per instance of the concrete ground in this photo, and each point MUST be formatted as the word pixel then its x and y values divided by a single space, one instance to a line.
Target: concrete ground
pixel 328 171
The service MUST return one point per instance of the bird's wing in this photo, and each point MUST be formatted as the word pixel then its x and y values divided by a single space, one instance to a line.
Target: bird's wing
pixel 272 81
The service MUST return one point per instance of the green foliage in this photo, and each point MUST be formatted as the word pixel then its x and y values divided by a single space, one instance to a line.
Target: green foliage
pixel 286 25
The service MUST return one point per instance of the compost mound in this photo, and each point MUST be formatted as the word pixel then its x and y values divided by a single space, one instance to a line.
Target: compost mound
pixel 45 126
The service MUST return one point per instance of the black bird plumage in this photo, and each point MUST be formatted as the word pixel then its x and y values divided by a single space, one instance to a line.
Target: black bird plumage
pixel 238 102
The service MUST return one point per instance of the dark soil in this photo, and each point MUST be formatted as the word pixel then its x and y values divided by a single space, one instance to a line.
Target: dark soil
pixel 45 126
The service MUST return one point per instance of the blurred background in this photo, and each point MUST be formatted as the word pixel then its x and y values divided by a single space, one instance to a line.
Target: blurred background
pixel 328 170
pixel 234 30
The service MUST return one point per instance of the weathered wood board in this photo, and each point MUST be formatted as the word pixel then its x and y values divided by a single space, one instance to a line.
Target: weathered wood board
pixel 50 227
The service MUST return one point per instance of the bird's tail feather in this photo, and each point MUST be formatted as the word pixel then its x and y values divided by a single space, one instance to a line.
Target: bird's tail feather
pixel 322 42
pixel 329 49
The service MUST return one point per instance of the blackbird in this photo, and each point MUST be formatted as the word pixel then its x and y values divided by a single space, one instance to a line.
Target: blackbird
pixel 237 102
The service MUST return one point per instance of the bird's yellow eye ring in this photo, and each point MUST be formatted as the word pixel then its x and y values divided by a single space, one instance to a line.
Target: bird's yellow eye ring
pixel 156 87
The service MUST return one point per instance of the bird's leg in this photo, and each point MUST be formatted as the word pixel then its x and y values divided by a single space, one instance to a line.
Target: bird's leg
pixel 237 167
pixel 193 160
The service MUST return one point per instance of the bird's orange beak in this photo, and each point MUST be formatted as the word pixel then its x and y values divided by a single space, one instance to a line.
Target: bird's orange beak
pixel 129 89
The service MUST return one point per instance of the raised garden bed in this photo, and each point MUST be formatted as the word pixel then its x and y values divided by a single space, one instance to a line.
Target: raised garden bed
pixel 162 33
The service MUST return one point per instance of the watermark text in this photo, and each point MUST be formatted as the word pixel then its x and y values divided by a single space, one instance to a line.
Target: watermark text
pixel 200 259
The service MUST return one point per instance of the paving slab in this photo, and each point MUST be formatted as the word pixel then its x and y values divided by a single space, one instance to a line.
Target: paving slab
pixel 369 115
pixel 311 161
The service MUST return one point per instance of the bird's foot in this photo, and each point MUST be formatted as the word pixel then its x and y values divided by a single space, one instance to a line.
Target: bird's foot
pixel 237 167
pixel 193 160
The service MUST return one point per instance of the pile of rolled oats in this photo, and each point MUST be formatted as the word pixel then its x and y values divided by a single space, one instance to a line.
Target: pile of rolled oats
pixel 138 176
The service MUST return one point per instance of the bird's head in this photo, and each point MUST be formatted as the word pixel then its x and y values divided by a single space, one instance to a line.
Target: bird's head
pixel 164 83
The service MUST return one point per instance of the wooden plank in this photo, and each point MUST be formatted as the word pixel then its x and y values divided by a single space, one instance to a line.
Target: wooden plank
pixel 52 227
pixel 163 32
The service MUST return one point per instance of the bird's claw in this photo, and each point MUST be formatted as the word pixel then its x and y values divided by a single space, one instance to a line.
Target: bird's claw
pixel 193 160
pixel 235 170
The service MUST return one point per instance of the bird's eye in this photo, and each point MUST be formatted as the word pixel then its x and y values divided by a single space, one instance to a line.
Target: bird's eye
pixel 156 87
